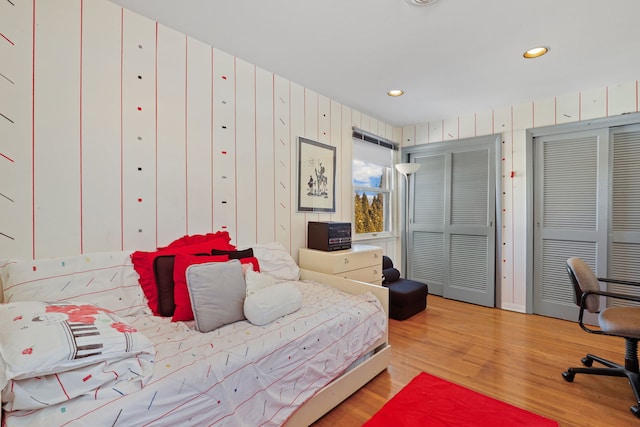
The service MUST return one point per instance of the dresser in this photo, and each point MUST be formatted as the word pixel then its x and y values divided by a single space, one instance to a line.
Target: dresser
pixel 361 262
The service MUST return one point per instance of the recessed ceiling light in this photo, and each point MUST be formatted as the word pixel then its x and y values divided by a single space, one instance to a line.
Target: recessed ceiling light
pixel 395 92
pixel 536 52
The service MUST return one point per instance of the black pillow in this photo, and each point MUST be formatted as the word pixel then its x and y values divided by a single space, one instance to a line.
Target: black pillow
pixel 246 253
pixel 163 270
pixel 390 275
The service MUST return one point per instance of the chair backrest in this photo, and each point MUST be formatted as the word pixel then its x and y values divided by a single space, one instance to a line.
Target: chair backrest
pixel 583 279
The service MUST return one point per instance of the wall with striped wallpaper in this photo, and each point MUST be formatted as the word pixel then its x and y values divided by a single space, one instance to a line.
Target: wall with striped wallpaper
pixel 119 133
pixel 512 122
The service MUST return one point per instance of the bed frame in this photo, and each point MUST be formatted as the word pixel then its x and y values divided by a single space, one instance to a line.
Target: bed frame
pixel 344 386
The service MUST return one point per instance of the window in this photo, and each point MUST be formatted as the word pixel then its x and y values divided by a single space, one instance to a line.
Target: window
pixel 372 182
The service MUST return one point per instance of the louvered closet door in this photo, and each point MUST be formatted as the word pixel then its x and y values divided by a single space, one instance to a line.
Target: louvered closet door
pixel 570 215
pixel 452 245
pixel 426 256
pixel 625 225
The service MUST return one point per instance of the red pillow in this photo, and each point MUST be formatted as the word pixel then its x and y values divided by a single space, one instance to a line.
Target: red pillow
pixel 143 262
pixel 183 310
pixel 220 236
pixel 253 261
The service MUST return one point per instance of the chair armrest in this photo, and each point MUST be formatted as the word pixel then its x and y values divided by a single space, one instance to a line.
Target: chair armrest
pixel 617 281
pixel 607 294
pixel 614 295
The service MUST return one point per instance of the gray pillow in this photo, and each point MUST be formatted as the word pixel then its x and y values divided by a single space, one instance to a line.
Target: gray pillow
pixel 217 291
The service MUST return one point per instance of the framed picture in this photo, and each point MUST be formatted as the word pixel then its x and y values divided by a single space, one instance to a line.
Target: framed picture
pixel 316 176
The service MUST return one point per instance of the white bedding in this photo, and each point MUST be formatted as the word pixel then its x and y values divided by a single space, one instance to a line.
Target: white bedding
pixel 237 375
pixel 53 352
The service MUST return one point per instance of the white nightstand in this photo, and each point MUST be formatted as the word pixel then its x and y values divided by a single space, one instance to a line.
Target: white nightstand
pixel 361 262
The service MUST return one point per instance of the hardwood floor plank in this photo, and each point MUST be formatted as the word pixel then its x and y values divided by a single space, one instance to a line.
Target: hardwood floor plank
pixel 514 357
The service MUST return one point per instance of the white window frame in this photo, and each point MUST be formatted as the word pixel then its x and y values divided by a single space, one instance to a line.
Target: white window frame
pixel 373 152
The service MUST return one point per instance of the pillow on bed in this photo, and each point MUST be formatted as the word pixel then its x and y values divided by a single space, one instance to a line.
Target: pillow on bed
pixel 268 304
pixel 245 253
pixel 163 273
pixel 217 292
pixel 40 338
pixel 163 270
pixel 107 279
pixel 245 256
pixel 143 263
pixel 253 261
pixel 183 310
pixel 256 281
pixel 195 239
pixel 276 261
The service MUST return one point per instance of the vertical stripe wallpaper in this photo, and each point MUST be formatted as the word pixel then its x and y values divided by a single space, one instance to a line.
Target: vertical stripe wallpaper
pixel 119 133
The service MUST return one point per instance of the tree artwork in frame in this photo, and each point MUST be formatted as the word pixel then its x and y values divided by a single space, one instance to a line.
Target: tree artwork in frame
pixel 316 176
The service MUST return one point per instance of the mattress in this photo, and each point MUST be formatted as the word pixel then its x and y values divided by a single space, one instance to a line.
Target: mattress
pixel 237 375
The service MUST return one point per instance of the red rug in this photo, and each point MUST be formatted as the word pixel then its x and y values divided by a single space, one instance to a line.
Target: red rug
pixel 432 401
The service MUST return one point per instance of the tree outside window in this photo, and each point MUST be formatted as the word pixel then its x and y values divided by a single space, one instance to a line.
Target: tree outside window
pixel 371 183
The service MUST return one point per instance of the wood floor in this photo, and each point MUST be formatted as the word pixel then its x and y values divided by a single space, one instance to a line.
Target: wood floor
pixel 513 357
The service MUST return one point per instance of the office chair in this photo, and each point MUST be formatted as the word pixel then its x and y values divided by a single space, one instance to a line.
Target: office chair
pixel 621 322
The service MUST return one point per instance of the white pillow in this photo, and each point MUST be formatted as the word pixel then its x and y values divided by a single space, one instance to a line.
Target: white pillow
pixel 217 291
pixel 268 304
pixel 257 281
pixel 275 260
pixel 39 338
pixel 107 279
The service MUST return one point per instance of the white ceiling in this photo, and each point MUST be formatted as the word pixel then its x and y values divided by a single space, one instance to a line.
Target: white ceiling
pixel 452 57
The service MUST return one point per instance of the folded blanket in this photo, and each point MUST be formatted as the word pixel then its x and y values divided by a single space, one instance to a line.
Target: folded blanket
pixel 54 351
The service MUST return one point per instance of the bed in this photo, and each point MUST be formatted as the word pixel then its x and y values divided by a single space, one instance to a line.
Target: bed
pixel 270 370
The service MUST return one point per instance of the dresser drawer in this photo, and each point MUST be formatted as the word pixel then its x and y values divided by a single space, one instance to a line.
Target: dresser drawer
pixel 356 260
pixel 361 262
pixel 367 274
